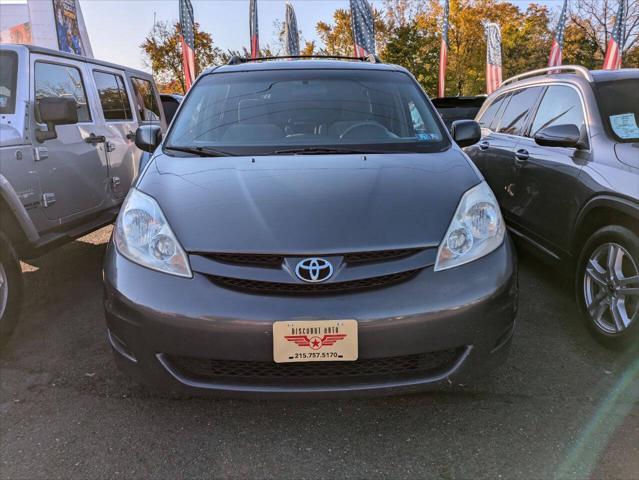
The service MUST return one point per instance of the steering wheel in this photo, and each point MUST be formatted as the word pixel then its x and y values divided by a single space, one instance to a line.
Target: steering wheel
pixel 365 131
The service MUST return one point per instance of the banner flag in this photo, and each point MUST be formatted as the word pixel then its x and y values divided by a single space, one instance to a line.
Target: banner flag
pixel 291 34
pixel 555 57
pixel 187 38
pixel 443 52
pixel 254 29
pixel 612 61
pixel 363 26
pixel 493 57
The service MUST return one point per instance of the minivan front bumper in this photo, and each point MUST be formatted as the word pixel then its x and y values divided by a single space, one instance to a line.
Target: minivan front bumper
pixel 435 329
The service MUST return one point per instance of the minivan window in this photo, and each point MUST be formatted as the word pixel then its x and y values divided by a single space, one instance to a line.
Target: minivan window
pixel 56 80
pixel 516 114
pixel 561 105
pixel 489 114
pixel 145 100
pixel 8 77
pixel 113 97
pixel 619 105
pixel 264 112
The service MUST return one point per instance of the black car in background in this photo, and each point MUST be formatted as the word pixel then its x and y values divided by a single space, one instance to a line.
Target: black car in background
pixel 458 108
pixel 560 149
pixel 170 104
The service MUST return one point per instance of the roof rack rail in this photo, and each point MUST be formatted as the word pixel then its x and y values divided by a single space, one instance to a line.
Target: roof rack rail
pixel 237 60
pixel 578 69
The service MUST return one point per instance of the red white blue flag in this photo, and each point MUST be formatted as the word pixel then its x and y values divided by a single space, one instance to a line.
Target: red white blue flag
pixel 255 31
pixel 612 61
pixel 363 26
pixel 443 52
pixel 555 57
pixel 493 57
pixel 187 38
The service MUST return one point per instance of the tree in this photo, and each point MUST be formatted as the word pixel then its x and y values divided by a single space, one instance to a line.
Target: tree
pixel 163 53
pixel 338 36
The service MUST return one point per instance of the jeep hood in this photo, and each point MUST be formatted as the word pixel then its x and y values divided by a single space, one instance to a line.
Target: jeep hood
pixel 309 204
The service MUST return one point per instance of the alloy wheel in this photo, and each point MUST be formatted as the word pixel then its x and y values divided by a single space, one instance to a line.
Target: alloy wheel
pixel 4 290
pixel 611 288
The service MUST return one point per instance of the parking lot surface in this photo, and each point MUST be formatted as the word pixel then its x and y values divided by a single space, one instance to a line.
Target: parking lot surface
pixel 561 407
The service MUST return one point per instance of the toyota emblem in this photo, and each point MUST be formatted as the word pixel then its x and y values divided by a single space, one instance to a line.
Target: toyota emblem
pixel 314 270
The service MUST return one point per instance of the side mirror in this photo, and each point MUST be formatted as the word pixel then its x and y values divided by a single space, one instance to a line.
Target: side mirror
pixel 559 136
pixel 148 137
pixel 465 132
pixel 56 111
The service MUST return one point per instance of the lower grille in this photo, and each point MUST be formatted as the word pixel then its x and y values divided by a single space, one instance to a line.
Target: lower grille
pixel 210 369
pixel 276 288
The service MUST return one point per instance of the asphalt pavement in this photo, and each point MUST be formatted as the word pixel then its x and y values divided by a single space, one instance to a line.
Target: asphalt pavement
pixel 561 407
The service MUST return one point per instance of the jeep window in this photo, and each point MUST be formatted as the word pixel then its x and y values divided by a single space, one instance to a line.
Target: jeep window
pixel 517 112
pixel 113 97
pixel 488 116
pixel 55 80
pixel 264 112
pixel 145 100
pixel 8 76
pixel 561 105
pixel 619 105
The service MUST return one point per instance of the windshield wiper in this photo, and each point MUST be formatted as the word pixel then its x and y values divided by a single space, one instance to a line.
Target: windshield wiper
pixel 316 151
pixel 200 151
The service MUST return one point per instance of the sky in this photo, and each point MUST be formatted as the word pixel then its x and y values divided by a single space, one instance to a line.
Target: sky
pixel 117 27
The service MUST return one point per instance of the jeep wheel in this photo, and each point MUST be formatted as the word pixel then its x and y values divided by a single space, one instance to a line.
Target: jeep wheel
pixel 10 290
pixel 607 286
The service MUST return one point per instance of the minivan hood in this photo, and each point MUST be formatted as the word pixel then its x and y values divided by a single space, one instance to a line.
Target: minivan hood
pixel 309 204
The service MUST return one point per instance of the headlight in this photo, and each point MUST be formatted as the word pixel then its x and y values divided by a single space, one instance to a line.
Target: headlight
pixel 143 235
pixel 476 230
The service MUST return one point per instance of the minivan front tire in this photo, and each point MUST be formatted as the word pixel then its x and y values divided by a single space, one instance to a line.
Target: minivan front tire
pixel 10 290
pixel 607 286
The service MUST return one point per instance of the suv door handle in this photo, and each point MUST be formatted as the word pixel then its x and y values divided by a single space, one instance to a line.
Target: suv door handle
pixel 485 145
pixel 521 156
pixel 93 138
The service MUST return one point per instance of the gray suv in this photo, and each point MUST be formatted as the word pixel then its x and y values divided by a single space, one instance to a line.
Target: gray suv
pixel 67 152
pixel 560 149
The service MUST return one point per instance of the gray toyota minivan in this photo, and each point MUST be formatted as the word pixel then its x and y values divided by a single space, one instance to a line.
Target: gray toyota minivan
pixel 67 153
pixel 309 227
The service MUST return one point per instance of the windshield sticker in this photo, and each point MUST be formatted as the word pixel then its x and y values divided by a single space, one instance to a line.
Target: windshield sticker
pixel 625 125
pixel 427 137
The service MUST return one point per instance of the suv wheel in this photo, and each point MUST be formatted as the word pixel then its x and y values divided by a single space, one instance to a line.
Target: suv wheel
pixel 10 290
pixel 607 285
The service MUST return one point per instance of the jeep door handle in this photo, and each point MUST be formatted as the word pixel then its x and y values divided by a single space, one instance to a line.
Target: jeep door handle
pixel 94 139
pixel 130 135
pixel 484 145
pixel 521 156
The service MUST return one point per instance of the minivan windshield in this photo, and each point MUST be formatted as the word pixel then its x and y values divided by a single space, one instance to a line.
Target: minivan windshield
pixel 307 111
pixel 8 73
pixel 619 105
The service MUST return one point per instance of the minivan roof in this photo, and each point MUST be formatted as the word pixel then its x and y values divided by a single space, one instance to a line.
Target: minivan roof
pixel 72 56
pixel 250 66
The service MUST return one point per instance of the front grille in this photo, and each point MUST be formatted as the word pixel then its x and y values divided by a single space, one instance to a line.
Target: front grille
pixel 277 288
pixel 210 369
pixel 269 260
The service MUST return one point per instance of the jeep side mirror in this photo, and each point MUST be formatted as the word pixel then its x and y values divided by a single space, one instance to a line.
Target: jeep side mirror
pixel 559 136
pixel 465 132
pixel 148 137
pixel 56 111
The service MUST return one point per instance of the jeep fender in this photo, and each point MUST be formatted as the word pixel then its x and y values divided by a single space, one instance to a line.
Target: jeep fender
pixel 12 200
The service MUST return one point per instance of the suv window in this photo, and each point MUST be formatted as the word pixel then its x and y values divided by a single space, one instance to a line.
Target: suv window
pixel 517 112
pixel 619 105
pixel 113 97
pixel 8 76
pixel 561 105
pixel 55 80
pixel 489 114
pixel 145 100
pixel 263 112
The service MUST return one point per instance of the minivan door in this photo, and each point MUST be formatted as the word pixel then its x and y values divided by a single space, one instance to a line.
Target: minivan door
pixel 71 168
pixel 118 128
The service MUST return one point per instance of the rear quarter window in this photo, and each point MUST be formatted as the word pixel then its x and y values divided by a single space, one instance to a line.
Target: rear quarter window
pixel 8 82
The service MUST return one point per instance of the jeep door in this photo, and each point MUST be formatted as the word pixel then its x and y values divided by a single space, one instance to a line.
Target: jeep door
pixel 71 168
pixel 119 126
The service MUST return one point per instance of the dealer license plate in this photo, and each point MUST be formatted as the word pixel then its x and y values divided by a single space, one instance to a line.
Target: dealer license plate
pixel 315 341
